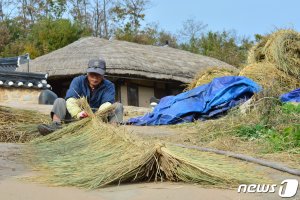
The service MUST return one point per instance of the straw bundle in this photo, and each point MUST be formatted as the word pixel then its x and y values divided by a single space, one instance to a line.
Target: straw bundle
pixel 270 78
pixel 19 125
pixel 281 48
pixel 256 53
pixel 207 75
pixel 91 154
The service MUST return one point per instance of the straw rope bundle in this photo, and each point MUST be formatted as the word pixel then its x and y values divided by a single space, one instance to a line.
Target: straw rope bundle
pixel 91 154
pixel 207 75
pixel 270 78
pixel 281 48
pixel 19 125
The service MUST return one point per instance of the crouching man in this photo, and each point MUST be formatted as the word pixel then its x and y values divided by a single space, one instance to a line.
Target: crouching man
pixel 99 92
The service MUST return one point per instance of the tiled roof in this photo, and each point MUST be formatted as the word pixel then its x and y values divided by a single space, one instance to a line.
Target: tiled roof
pixel 8 64
pixel 12 63
pixel 10 78
pixel 23 79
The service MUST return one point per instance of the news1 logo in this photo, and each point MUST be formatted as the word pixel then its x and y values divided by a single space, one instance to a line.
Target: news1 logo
pixel 288 188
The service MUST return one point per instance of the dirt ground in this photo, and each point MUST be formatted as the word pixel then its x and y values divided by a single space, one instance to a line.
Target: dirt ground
pixel 13 187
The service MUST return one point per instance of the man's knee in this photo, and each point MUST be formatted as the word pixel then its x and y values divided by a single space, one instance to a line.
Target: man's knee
pixel 119 107
pixel 117 116
pixel 59 101
pixel 59 108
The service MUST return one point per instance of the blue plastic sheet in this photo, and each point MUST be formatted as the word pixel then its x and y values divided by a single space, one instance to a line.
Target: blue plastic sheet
pixel 293 96
pixel 203 102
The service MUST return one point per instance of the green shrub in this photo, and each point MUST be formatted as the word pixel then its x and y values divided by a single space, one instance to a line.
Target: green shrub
pixel 289 138
pixel 289 108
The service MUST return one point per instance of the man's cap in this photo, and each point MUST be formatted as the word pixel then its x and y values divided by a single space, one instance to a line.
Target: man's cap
pixel 96 66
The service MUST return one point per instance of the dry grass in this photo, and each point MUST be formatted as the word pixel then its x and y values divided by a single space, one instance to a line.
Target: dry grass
pixel 281 48
pixel 228 133
pixel 275 81
pixel 256 53
pixel 19 125
pixel 207 75
pixel 218 134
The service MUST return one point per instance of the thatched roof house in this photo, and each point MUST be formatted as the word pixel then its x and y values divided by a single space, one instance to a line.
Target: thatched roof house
pixel 137 65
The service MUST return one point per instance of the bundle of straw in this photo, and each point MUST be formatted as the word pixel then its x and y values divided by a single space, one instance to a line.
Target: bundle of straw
pixel 207 75
pixel 270 78
pixel 256 53
pixel 281 48
pixel 19 125
pixel 92 154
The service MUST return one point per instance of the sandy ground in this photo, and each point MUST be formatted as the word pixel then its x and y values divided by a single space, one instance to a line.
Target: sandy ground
pixel 13 187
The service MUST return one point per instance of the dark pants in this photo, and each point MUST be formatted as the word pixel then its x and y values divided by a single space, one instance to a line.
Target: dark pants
pixel 60 109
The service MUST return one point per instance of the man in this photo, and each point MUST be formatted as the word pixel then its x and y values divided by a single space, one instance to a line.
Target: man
pixel 99 92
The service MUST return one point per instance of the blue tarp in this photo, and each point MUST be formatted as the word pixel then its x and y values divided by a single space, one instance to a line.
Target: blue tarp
pixel 293 96
pixel 203 102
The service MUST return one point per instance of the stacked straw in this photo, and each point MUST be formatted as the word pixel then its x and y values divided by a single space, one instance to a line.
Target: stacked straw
pixel 207 75
pixel 270 77
pixel 275 62
pixel 92 154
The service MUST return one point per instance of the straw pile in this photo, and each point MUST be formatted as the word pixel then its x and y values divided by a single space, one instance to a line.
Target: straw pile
pixel 92 154
pixel 19 125
pixel 281 48
pixel 275 62
pixel 270 78
pixel 256 53
pixel 207 75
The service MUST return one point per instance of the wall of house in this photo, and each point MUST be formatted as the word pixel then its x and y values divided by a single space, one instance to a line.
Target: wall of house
pixel 24 95
pixel 124 97
pixel 145 93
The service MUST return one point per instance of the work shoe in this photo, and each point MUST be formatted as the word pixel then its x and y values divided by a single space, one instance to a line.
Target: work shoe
pixel 45 129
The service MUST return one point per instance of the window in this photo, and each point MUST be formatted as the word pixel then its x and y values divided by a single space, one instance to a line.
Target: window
pixel 133 95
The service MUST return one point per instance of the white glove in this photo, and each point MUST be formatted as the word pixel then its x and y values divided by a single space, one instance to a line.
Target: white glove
pixel 104 106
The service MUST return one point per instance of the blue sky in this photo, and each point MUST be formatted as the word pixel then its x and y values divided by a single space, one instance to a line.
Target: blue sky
pixel 246 17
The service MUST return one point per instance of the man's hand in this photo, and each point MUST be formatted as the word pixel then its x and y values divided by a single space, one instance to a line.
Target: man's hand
pixel 82 114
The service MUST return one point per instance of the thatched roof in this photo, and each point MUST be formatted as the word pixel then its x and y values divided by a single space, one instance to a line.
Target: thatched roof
pixel 124 58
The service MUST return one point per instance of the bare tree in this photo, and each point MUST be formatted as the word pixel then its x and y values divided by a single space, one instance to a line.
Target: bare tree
pixel 136 10
pixel 102 19
pixel 29 11
pixel 1 11
pixel 192 29
pixel 80 11
pixel 131 12
pixel 6 8
pixel 97 18
pixel 76 10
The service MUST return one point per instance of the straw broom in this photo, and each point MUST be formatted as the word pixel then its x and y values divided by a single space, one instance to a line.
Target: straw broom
pixel 92 154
